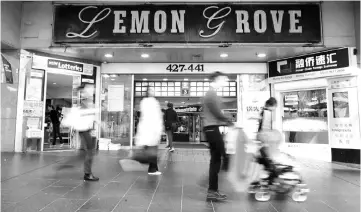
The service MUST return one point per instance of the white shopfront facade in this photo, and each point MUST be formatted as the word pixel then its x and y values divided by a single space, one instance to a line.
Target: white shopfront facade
pixel 319 109
pixel 252 90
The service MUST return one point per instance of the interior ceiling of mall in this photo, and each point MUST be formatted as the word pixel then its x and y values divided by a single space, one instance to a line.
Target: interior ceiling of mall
pixel 187 53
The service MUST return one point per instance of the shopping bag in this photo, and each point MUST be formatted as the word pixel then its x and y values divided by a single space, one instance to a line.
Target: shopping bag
pixel 145 155
pixel 269 136
pixel 230 140
pixel 70 117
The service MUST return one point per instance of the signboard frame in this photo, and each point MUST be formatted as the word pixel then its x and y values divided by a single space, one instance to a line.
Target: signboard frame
pixel 195 23
pixel 329 63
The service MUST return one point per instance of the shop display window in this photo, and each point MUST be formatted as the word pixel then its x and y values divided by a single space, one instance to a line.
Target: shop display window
pixel 304 117
pixel 116 107
pixel 196 89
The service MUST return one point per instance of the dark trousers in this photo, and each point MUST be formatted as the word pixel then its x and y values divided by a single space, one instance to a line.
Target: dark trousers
pixel 56 133
pixel 89 149
pixel 217 150
pixel 265 160
pixel 170 138
pixel 153 160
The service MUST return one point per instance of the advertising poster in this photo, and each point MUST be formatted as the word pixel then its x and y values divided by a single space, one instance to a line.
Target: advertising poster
pixel 33 108
pixel 6 69
pixel 115 98
pixel 253 103
pixel 344 125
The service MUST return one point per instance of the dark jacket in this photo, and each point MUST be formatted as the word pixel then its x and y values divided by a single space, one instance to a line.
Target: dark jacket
pixel 212 110
pixel 170 117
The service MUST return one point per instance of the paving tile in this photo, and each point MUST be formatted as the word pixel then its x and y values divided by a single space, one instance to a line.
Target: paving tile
pixel 85 191
pixel 58 190
pixel 113 189
pixel 126 208
pixel 64 205
pixel 100 203
pixel 136 201
pixel 68 183
pixel 17 195
pixel 333 187
pixel 34 203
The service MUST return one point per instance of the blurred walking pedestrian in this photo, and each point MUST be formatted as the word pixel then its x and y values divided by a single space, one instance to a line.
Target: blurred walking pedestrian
pixel 170 120
pixel 213 119
pixel 149 132
pixel 85 125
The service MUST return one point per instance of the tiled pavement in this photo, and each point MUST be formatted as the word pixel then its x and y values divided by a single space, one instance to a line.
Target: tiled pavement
pixel 31 182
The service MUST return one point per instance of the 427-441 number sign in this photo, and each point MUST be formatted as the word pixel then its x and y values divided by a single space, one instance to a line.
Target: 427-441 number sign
pixel 185 68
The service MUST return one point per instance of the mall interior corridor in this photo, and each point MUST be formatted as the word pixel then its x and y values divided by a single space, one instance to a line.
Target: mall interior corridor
pixel 32 182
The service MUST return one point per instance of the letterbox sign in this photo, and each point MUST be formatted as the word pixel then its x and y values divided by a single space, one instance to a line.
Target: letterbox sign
pixel 217 23
pixel 322 64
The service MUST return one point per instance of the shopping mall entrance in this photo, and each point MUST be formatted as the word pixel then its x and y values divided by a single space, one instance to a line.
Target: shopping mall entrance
pixel 59 95
pixel 185 92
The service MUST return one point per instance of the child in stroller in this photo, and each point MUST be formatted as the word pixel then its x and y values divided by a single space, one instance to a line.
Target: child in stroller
pixel 281 179
pixel 277 180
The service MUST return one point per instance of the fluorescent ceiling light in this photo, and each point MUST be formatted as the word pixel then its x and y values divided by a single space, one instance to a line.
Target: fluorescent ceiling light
pixel 165 79
pixel 54 83
pixel 113 75
pixel 205 79
pixel 185 79
pixel 145 55
pixel 112 79
pixel 145 79
pixel 108 55
pixel 105 75
pixel 223 55
pixel 261 55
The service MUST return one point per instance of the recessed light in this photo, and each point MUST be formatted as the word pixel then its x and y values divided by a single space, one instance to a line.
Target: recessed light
pixel 105 75
pixel 185 79
pixel 261 55
pixel 223 55
pixel 145 55
pixel 113 75
pixel 54 83
pixel 165 79
pixel 145 79
pixel 108 55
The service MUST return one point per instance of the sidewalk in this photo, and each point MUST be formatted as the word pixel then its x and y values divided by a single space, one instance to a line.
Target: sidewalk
pixel 30 182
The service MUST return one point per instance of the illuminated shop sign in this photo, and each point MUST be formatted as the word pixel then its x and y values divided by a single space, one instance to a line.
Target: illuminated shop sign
pixel 322 64
pixel 226 23
pixel 70 66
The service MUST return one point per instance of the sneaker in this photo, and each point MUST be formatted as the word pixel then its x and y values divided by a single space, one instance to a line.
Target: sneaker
pixel 216 196
pixel 90 177
pixel 155 173
pixel 167 147
pixel 171 149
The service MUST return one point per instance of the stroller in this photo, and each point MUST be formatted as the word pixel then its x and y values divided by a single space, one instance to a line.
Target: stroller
pixel 280 179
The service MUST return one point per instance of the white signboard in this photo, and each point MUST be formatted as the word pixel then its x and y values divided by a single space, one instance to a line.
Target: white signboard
pixel 311 75
pixel 183 68
pixel 115 98
pixel 344 119
pixel 253 103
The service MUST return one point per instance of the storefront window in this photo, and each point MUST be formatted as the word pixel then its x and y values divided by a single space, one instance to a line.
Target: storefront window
pixel 305 116
pixel 116 108
pixel 254 93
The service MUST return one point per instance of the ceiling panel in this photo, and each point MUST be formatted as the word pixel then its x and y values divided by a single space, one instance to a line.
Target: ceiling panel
pixel 59 81
pixel 186 54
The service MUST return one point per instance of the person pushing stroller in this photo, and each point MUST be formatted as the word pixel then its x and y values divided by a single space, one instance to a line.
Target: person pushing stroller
pixel 269 143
